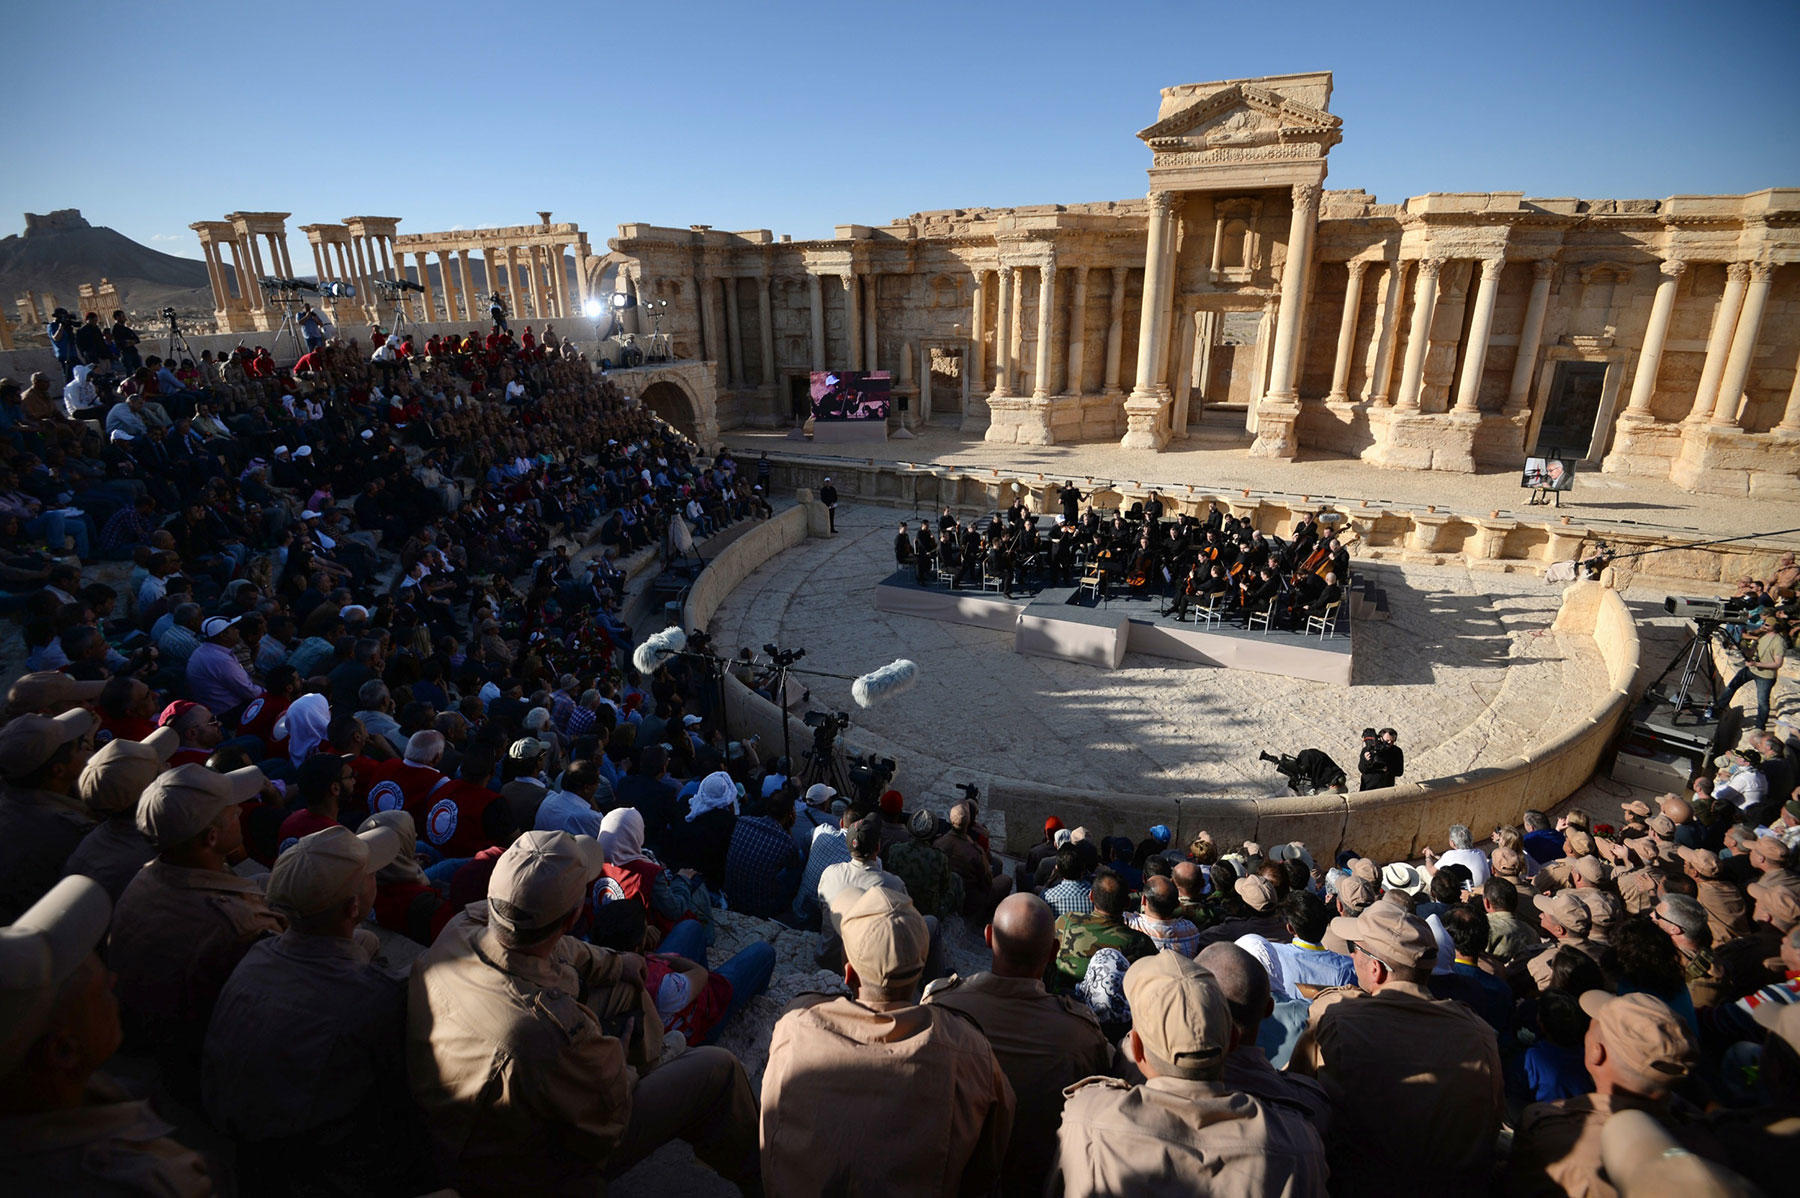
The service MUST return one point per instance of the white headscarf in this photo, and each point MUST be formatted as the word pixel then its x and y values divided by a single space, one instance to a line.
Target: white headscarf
pixel 1258 947
pixel 304 725
pixel 717 791
pixel 622 836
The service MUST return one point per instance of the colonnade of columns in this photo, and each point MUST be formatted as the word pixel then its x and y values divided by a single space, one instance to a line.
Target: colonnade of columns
pixel 532 278
pixel 1060 363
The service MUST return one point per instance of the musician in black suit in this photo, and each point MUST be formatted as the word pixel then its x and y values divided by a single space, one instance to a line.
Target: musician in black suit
pixel 1071 503
pixel 999 563
pixel 946 522
pixel 903 554
pixel 1262 593
pixel 950 555
pixel 924 552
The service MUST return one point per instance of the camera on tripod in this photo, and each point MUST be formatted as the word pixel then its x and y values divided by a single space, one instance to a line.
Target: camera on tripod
pixel 1285 765
pixel 335 290
pixel 397 286
pixel 826 725
pixel 970 791
pixel 168 314
pixel 870 775
pixel 783 658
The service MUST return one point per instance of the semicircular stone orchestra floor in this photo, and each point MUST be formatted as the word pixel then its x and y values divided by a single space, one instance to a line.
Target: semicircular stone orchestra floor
pixel 1467 669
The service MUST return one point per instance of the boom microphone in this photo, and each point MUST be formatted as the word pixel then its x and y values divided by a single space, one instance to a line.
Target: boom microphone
pixel 877 685
pixel 657 649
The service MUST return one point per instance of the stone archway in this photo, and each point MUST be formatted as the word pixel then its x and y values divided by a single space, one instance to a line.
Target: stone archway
pixel 674 405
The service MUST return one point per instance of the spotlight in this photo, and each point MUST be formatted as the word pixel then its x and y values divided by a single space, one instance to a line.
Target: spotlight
pixel 592 308
pixel 620 299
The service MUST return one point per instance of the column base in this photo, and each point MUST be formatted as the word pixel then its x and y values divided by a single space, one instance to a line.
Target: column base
pixel 1016 421
pixel 1728 461
pixel 1146 420
pixel 1643 447
pixel 1411 440
pixel 1276 434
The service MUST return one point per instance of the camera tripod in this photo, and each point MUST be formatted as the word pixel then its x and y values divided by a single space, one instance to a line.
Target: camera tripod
pixel 176 340
pixel 289 327
pixel 1696 664
pixel 826 764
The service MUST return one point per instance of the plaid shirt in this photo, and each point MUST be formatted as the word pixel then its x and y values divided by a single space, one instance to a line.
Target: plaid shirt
pixel 761 850
pixel 830 846
pixel 1070 898
pixel 1178 934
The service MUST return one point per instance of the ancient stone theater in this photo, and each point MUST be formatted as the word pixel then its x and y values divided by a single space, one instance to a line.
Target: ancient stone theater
pixel 1243 301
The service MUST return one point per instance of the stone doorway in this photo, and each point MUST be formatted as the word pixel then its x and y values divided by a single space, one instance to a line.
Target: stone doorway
pixel 942 385
pixel 1223 371
pixel 1577 390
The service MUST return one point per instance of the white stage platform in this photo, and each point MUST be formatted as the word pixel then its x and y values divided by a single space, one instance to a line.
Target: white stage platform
pixel 1048 624
pixel 834 432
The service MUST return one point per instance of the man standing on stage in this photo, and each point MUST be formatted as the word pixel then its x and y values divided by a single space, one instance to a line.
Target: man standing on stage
pixel 924 551
pixel 829 497
pixel 1071 502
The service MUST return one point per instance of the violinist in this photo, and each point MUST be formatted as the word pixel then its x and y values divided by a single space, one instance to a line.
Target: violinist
pixel 902 547
pixel 1000 563
pixel 1188 588
pixel 1260 591
pixel 950 555
pixel 924 552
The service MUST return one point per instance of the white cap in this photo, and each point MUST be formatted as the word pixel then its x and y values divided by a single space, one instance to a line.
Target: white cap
pixel 216 625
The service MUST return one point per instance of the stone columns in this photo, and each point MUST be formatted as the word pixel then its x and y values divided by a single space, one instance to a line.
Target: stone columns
pixel 815 296
pixel 1743 346
pixel 1790 419
pixel 1393 293
pixel 1015 325
pixel 1481 328
pixel 447 276
pixel 1285 366
pixel 703 321
pixel 734 331
pixel 470 307
pixel 536 271
pixel 765 306
pixel 1077 359
pixel 510 268
pixel 1278 411
pixel 1003 336
pixel 1662 308
pixel 977 332
pixel 718 337
pixel 1518 392
pixel 871 331
pixel 215 274
pixel 1040 384
pixel 1718 344
pixel 853 319
pixel 424 261
pixel 1115 331
pixel 1418 337
pixel 1150 394
pixel 1346 342
pixel 491 271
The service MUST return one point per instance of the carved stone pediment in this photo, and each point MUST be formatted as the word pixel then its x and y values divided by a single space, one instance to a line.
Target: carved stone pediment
pixel 1245 121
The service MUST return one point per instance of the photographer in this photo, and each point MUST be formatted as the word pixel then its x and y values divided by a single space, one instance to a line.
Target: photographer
pixel 312 327
pixel 1765 647
pixel 1309 772
pixel 90 342
pixel 61 331
pixel 497 313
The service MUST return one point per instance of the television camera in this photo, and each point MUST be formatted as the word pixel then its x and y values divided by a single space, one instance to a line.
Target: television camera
pixel 1702 610
pixel 1308 772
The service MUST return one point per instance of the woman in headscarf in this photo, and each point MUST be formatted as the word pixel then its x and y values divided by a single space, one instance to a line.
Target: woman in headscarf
pixel 632 872
pixel 701 838
pixel 1102 988
pixel 404 901
pixel 1281 1030
pixel 301 729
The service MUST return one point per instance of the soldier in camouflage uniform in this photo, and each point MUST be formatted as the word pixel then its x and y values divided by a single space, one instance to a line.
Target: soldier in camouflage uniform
pixel 934 888
pixel 1202 912
pixel 1079 937
pixel 1684 919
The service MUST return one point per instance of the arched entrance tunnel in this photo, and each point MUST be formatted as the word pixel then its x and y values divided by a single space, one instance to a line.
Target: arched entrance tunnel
pixel 670 402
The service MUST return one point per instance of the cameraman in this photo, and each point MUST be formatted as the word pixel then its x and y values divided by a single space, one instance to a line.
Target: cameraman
pixel 497 313
pixel 125 342
pixel 1765 646
pixel 312 327
pixel 61 331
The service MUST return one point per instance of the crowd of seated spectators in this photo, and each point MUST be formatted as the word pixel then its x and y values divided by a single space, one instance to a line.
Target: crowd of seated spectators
pixel 366 687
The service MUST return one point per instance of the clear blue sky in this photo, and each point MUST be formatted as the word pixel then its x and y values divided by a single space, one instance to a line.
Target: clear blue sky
pixel 797 116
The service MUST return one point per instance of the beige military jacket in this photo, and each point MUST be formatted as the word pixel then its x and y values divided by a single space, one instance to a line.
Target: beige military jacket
pixel 109 1145
pixel 522 1091
pixel 1416 1086
pixel 177 934
pixel 1727 908
pixel 1173 1136
pixel 1538 965
pixel 1556 1151
pixel 1045 1043
pixel 921 1079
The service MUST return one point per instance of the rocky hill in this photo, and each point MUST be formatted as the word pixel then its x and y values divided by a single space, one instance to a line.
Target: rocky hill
pixel 59 251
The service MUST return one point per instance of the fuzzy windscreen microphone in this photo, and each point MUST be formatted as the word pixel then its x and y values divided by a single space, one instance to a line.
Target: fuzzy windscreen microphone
pixel 884 683
pixel 658 648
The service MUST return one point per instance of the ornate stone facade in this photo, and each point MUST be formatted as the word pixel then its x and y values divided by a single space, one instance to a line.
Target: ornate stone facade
pixel 527 264
pixel 1453 331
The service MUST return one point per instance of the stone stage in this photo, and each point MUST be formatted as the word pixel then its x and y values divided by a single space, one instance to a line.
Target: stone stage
pixel 1053 622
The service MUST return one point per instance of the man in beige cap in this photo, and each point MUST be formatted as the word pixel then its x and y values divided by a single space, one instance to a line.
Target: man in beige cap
pixel 304 1062
pixel 522 1089
pixel 1257 912
pixel 186 919
pixel 110 785
pixel 1636 1051
pixel 923 1074
pixel 1044 1042
pixel 41 820
pixel 65 1128
pixel 49 692
pixel 1770 855
pixel 1183 1130
pixel 1566 920
pixel 1245 983
pixel 1726 910
pixel 1417 1079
